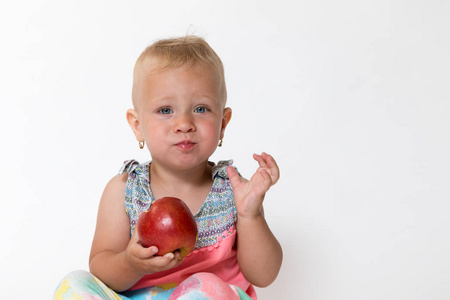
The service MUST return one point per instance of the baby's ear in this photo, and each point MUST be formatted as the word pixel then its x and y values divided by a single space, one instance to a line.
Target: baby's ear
pixel 133 120
pixel 225 120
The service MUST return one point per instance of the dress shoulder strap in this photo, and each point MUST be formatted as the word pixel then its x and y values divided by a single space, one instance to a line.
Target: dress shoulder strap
pixel 220 169
pixel 128 166
pixel 138 196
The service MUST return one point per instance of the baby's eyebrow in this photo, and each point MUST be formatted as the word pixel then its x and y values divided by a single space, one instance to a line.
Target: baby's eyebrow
pixel 161 99
pixel 209 97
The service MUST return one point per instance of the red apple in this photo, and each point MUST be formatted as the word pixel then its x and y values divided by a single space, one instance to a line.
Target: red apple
pixel 169 225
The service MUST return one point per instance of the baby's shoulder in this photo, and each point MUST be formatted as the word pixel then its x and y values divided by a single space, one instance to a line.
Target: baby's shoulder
pixel 112 196
pixel 117 183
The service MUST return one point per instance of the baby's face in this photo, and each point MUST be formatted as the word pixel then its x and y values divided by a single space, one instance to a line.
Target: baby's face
pixel 181 115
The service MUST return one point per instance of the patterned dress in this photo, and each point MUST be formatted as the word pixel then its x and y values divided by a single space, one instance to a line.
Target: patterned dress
pixel 211 271
pixel 215 217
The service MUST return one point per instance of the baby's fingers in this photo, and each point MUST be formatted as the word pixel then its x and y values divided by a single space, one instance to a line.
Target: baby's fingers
pixel 138 250
pixel 259 158
pixel 273 167
pixel 267 162
pixel 265 179
pixel 165 262
pixel 144 253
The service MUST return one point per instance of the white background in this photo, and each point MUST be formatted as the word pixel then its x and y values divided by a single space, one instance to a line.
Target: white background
pixel 351 97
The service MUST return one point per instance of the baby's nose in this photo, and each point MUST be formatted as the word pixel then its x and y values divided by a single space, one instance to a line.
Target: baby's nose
pixel 184 123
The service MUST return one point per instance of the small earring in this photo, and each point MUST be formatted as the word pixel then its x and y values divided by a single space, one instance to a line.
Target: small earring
pixel 141 144
pixel 220 143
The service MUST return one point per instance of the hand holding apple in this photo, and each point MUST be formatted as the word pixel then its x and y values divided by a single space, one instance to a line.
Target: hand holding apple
pixel 169 225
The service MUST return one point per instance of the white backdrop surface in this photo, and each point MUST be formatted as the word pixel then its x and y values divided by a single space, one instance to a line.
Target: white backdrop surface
pixel 351 97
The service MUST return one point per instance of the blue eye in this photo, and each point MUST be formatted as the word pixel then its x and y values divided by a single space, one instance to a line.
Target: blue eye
pixel 201 109
pixel 165 111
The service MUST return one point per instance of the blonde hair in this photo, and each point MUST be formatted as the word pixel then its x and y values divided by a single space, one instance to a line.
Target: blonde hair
pixel 187 51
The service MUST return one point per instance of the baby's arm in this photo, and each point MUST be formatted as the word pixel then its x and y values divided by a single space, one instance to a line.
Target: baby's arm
pixel 115 259
pixel 259 253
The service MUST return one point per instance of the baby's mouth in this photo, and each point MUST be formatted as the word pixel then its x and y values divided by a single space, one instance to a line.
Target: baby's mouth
pixel 185 145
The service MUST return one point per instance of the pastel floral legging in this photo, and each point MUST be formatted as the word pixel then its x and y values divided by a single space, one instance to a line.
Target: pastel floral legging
pixel 84 285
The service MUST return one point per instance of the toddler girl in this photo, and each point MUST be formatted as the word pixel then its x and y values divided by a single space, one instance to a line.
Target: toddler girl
pixel 179 114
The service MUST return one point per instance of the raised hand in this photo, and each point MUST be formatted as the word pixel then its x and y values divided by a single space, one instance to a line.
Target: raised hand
pixel 249 194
